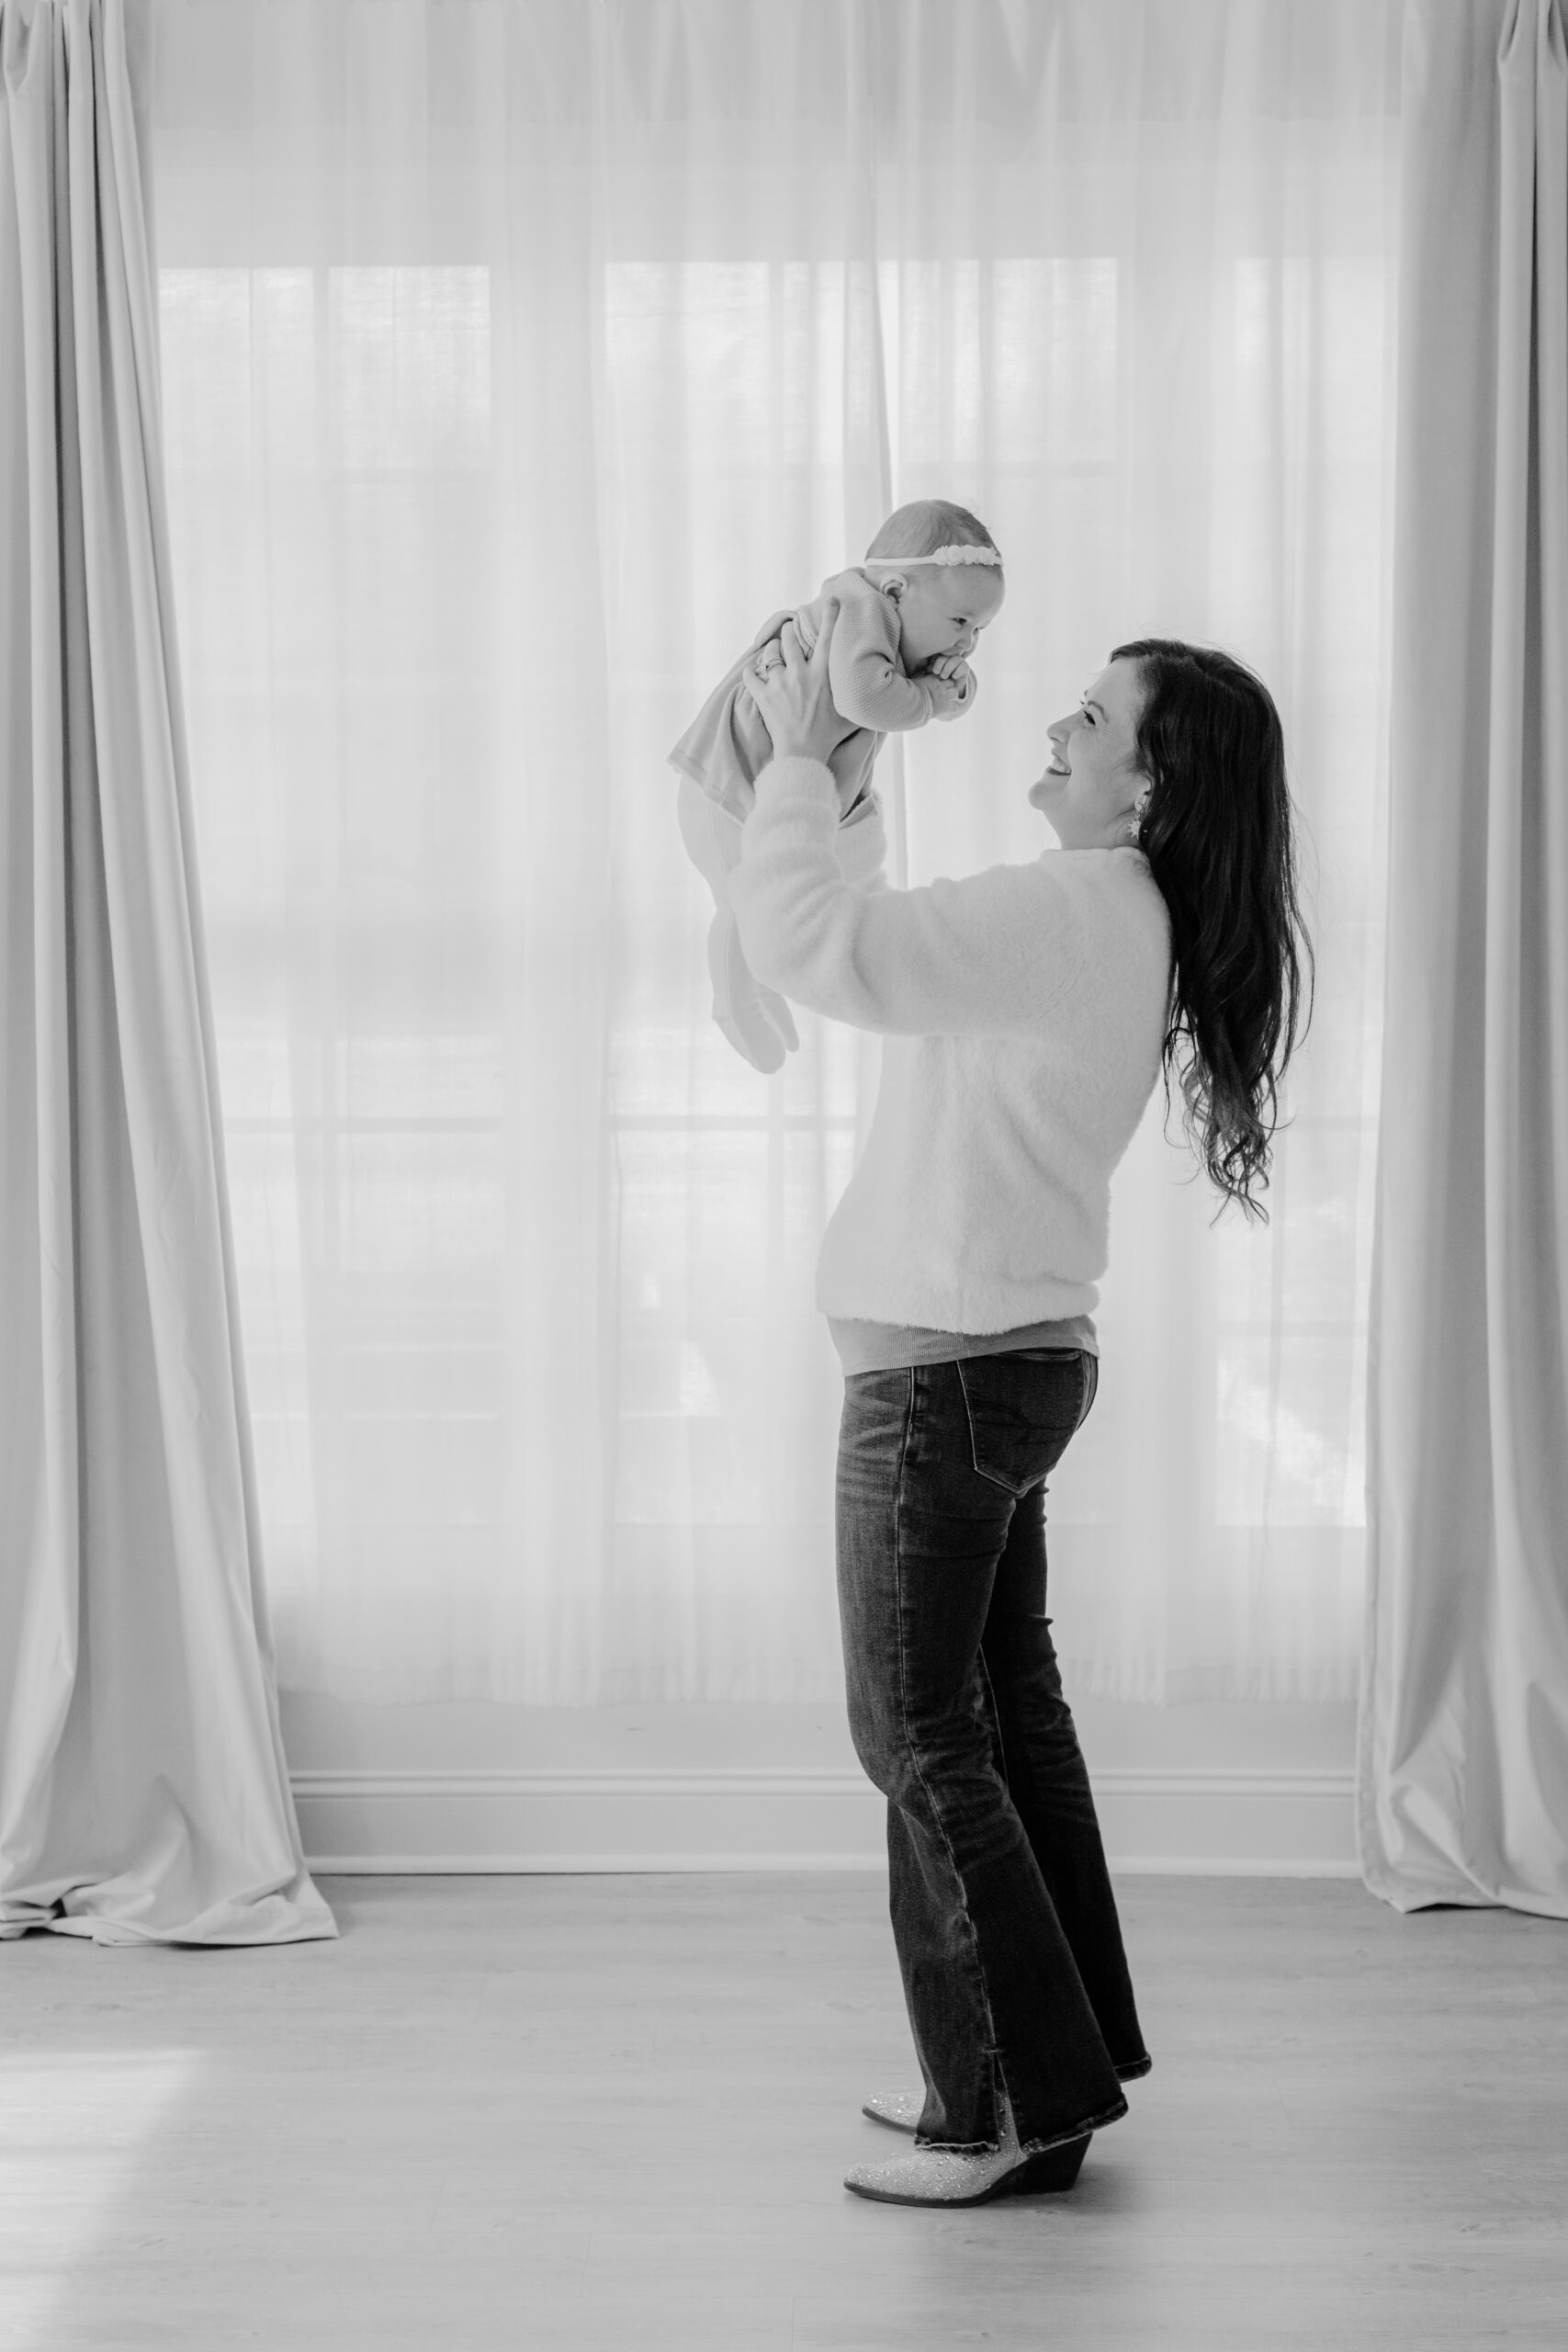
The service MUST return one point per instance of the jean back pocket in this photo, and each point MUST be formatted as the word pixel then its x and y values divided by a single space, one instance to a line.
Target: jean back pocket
pixel 1024 1407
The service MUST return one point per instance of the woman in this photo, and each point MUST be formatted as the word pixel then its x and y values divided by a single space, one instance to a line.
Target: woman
pixel 1027 1012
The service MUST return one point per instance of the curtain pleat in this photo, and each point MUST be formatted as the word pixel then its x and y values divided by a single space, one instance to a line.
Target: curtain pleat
pixel 1463 1771
pixel 144 1794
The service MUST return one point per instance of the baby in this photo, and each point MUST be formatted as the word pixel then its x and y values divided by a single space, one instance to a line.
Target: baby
pixel 909 618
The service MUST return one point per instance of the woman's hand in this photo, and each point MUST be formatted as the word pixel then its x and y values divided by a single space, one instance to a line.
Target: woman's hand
pixel 794 697
pixel 768 632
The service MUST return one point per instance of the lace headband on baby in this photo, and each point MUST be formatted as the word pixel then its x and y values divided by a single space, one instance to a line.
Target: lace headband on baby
pixel 943 555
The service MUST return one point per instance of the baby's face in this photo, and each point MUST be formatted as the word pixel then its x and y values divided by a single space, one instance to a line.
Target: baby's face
pixel 945 608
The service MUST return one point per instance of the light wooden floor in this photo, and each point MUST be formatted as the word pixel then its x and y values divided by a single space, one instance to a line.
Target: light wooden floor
pixel 616 2112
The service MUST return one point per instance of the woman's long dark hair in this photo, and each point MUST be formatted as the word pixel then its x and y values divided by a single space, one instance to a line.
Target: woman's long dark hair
pixel 1217 833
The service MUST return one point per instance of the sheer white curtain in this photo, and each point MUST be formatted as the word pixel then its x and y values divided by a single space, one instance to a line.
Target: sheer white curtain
pixel 1462 1762
pixel 519 360
pixel 145 1796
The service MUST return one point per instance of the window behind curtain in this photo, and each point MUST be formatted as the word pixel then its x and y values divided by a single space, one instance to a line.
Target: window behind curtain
pixel 514 372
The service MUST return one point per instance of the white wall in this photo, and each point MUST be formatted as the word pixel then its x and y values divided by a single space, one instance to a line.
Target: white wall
pixel 1264 1789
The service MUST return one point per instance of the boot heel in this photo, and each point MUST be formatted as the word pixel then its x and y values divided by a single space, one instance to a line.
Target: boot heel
pixel 1053 2168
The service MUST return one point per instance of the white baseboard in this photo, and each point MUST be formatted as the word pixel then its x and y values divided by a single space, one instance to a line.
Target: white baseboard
pixel 1250 1823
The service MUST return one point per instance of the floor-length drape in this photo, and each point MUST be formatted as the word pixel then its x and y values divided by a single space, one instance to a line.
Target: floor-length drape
pixel 520 357
pixel 1463 1772
pixel 143 1795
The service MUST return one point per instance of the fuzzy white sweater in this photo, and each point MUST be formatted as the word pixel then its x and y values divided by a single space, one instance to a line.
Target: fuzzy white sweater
pixel 1023 1009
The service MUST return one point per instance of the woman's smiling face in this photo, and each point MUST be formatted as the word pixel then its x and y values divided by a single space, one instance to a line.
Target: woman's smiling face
pixel 1087 790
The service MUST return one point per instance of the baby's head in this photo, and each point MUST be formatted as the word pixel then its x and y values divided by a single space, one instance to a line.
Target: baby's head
pixel 943 606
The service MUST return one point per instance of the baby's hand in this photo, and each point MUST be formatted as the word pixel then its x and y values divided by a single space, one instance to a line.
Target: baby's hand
pixel 951 697
pixel 944 665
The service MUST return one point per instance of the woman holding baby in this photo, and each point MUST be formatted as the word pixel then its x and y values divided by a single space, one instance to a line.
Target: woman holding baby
pixel 1026 1013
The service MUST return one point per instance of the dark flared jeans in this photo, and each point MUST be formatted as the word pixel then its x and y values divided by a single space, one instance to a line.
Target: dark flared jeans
pixel 1003 1916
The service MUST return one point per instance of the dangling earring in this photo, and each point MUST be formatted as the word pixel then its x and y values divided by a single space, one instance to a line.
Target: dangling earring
pixel 1140 810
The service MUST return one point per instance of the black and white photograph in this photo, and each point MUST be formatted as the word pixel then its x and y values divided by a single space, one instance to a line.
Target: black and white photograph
pixel 784 1175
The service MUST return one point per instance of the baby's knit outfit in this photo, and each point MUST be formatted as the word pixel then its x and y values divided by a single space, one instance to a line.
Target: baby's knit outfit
pixel 727 745
pixel 1024 1012
pixel 756 1020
